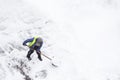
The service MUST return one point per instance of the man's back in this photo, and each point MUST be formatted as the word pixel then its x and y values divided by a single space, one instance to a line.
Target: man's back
pixel 38 42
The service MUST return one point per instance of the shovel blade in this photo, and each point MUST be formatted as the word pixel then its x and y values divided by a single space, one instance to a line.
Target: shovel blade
pixel 54 65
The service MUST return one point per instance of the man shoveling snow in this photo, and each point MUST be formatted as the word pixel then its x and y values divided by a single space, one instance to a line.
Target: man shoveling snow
pixel 34 43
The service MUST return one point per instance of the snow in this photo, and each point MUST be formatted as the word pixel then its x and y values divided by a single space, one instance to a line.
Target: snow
pixel 81 37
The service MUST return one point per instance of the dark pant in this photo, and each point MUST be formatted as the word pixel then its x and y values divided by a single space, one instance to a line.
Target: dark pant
pixel 37 51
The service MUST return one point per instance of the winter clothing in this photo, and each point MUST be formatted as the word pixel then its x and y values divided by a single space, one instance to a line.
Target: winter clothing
pixel 35 43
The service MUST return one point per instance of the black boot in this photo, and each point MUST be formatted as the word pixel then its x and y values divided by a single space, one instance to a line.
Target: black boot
pixel 29 58
pixel 40 59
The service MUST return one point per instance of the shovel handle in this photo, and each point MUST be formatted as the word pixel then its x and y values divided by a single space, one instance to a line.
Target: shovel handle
pixel 46 56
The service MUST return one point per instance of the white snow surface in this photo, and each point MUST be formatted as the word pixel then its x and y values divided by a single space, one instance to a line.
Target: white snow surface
pixel 81 36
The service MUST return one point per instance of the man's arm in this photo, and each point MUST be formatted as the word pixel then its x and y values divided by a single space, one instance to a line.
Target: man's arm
pixel 28 40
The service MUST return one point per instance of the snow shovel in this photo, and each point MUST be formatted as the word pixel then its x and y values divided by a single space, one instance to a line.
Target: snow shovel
pixel 49 59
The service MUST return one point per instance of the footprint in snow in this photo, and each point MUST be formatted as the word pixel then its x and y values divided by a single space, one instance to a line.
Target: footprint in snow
pixel 41 74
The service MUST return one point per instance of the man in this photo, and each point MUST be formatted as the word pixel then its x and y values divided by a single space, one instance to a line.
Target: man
pixel 34 43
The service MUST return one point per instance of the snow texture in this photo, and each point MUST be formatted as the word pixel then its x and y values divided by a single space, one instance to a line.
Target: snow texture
pixel 81 36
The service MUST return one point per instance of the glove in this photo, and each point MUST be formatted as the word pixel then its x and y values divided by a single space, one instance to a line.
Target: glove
pixel 24 44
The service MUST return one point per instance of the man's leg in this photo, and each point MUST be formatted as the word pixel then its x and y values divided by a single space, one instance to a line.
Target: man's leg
pixel 39 52
pixel 39 55
pixel 29 53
